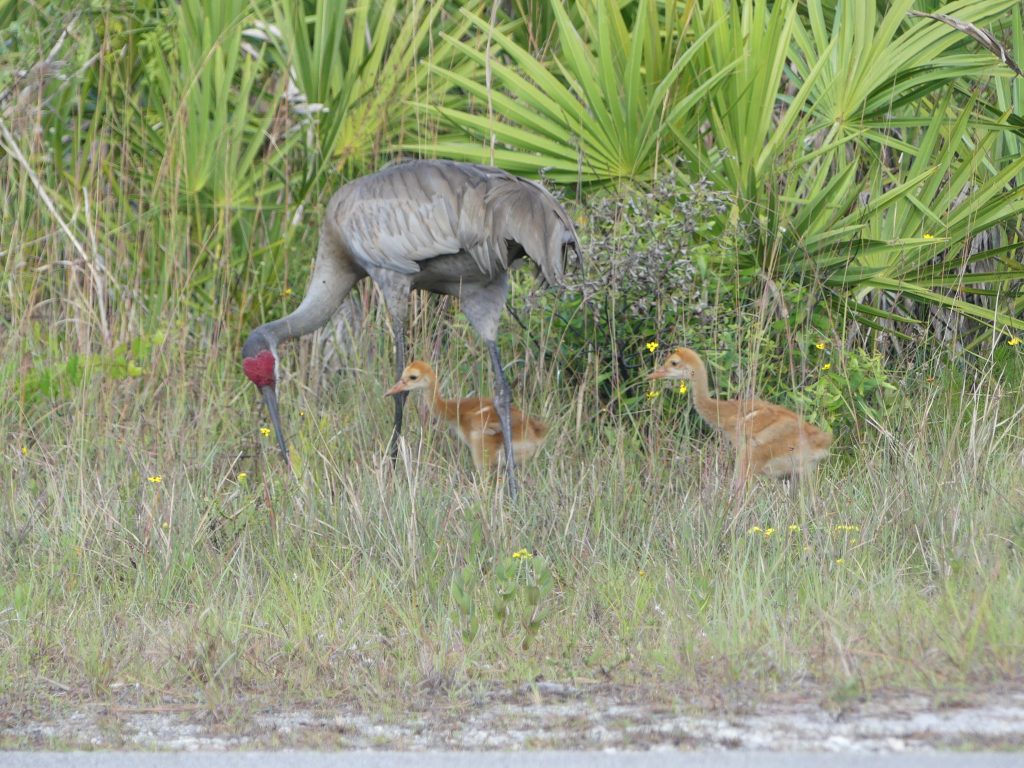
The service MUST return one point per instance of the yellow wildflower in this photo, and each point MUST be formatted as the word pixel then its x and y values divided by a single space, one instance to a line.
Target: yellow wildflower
pixel 165 525
pixel 847 527
pixel 242 476
pixel 522 554
pixel 840 561
pixel 928 236
pixel 794 528
pixel 1014 341
pixel 265 431
pixel 156 479
pixel 652 346
pixel 641 573
pixel 768 532
pixel 826 366
pixel 286 292
pixel 24 451
pixel 653 394
pixel 755 529
pixel 682 388
pixel 820 345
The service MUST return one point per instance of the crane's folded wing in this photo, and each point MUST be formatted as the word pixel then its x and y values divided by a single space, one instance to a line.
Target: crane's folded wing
pixel 396 234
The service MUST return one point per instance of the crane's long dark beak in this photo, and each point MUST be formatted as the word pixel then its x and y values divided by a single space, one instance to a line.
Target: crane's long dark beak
pixel 270 398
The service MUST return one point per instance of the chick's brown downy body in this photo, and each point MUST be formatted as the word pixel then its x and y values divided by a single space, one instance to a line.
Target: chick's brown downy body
pixel 475 420
pixel 769 439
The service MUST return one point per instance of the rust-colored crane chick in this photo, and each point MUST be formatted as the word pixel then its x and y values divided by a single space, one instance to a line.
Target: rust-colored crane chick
pixel 475 420
pixel 769 439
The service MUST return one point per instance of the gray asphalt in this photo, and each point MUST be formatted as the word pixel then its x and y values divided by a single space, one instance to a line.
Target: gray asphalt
pixel 550 759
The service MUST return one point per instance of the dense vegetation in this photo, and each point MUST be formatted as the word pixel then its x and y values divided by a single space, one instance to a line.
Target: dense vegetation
pixel 823 197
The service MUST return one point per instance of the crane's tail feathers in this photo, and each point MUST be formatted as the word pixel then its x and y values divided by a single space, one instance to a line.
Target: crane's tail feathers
pixel 524 212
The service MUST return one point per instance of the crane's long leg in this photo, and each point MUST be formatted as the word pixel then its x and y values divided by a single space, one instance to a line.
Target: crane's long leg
pixel 395 288
pixel 398 323
pixel 503 402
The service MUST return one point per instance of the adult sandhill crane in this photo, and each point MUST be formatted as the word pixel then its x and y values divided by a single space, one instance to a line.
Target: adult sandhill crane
pixel 446 227
pixel 474 419
pixel 769 439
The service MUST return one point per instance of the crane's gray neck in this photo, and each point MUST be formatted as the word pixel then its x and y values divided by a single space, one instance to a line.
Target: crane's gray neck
pixel 329 285
pixel 303 320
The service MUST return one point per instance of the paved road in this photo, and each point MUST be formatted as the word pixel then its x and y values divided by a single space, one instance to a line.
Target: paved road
pixel 653 759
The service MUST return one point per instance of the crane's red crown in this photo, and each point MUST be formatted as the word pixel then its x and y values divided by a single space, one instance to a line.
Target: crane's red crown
pixel 260 369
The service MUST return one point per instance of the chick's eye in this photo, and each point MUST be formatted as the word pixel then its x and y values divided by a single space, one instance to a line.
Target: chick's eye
pixel 414 377
pixel 675 362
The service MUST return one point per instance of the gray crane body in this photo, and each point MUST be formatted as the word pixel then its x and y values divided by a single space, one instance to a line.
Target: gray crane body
pixel 441 226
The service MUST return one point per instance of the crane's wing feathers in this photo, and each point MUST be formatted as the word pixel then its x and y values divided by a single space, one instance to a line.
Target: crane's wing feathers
pixel 424 209
pixel 397 234
pixel 525 213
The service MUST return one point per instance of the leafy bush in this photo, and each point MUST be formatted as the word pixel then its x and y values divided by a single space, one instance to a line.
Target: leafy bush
pixel 644 277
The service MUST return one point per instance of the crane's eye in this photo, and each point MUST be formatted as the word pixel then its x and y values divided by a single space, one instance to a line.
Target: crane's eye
pixel 413 376
pixel 674 362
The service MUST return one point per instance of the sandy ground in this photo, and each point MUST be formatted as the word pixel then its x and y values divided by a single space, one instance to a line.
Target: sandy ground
pixel 549 716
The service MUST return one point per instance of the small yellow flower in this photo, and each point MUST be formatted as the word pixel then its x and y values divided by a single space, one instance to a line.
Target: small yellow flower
pixel 653 394
pixel 755 529
pixel 794 528
pixel 840 561
pixel 286 292
pixel 1014 341
pixel 522 554
pixel 165 525
pixel 768 532
pixel 847 527
pixel 156 479
pixel 302 413
pixel 24 451
pixel 820 345
pixel 242 476
pixel 826 366
pixel 652 346
pixel 682 388
pixel 265 431
pixel 928 236
pixel 641 573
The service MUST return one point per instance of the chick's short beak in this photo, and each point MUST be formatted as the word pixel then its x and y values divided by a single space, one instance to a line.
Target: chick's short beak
pixel 658 373
pixel 399 387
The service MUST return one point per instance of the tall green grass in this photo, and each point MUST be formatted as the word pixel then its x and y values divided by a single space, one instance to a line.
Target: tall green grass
pixel 231 575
